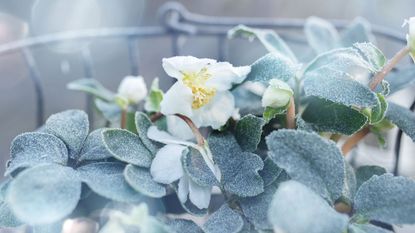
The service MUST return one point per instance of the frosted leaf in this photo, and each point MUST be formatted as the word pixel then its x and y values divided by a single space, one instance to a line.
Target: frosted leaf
pixel 94 147
pixel 183 226
pixel 93 87
pixel 140 179
pixel 248 132
pixel 403 118
pixel 364 173
pixel 321 35
pixel 142 123
pixel 224 220
pixel 357 32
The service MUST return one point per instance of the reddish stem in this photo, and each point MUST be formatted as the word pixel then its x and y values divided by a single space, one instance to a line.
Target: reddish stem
pixel 199 137
pixel 123 119
pixel 354 140
pixel 291 114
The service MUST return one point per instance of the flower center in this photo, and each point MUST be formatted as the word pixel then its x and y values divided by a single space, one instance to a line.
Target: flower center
pixel 202 94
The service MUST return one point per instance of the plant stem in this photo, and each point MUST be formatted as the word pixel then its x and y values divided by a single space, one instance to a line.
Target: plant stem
pixel 353 140
pixel 156 116
pixel 291 114
pixel 123 118
pixel 199 137
pixel 388 67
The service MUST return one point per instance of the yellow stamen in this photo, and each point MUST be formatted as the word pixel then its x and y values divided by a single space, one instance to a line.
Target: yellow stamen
pixel 202 94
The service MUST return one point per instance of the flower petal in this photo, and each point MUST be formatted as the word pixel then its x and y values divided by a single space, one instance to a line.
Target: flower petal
pixel 178 128
pixel 176 66
pixel 199 195
pixel 217 112
pixel 224 75
pixel 178 99
pixel 183 189
pixel 161 136
pixel 167 166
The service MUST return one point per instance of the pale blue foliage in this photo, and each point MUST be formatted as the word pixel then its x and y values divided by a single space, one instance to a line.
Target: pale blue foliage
pixel 142 123
pixel 224 220
pixel 297 209
pixel 372 55
pixel 30 149
pixel 94 147
pixel 309 159
pixel 350 183
pixel 195 167
pixel 183 226
pixel 271 41
pixel 71 126
pixel 140 179
pixel 92 87
pixel 247 101
pixel 364 173
pixel 272 66
pixel 403 118
pixel 366 228
pixel 107 180
pixel 387 199
pixel 44 194
pixel 127 147
pixel 358 31
pixel 321 35
pixel 55 227
pixel 7 218
pixel 248 132
pixel 326 116
pixel 239 169
pixel 401 78
pixel 270 172
pixel 111 111
pixel 339 87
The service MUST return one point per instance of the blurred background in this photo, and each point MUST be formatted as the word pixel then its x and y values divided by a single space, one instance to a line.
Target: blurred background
pixel 60 63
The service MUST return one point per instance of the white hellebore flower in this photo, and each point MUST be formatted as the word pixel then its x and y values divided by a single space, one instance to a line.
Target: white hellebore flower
pixel 277 94
pixel 133 88
pixel 410 37
pixel 202 89
pixel 167 168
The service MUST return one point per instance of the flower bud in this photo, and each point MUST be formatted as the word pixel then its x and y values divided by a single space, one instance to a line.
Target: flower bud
pixel 133 89
pixel 410 37
pixel 277 94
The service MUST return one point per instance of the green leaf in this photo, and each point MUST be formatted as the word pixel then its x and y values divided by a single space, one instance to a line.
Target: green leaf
pixel 321 35
pixel 366 228
pixel 339 87
pixel 154 98
pixel 44 194
pixel 403 118
pixel 94 147
pixel 141 180
pixel 7 218
pixel 271 41
pixel 127 147
pixel 387 199
pixel 344 60
pixel 239 169
pixel 254 207
pixel 248 132
pixel 195 167
pixel 272 66
pixel 110 111
pixel 378 112
pixel 357 32
pixel 371 54
pixel 364 173
pixel 270 172
pixel 325 116
pixel 107 180
pixel 183 226
pixel 401 78
pixel 93 87
pixel 270 113
pixel 30 149
pixel 142 123
pixel 130 121
pixel 224 220
pixel 294 201
pixel 309 159
pixel 71 126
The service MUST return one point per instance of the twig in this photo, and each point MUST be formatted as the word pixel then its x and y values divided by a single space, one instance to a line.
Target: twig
pixel 291 114
pixel 156 116
pixel 388 67
pixel 123 118
pixel 199 137
pixel 353 140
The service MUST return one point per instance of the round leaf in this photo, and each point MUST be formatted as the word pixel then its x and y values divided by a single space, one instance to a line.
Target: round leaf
pixel 94 147
pixel 140 179
pixel 44 194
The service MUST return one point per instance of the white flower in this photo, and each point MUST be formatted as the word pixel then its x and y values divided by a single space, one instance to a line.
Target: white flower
pixel 410 37
pixel 202 89
pixel 167 168
pixel 277 94
pixel 133 88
